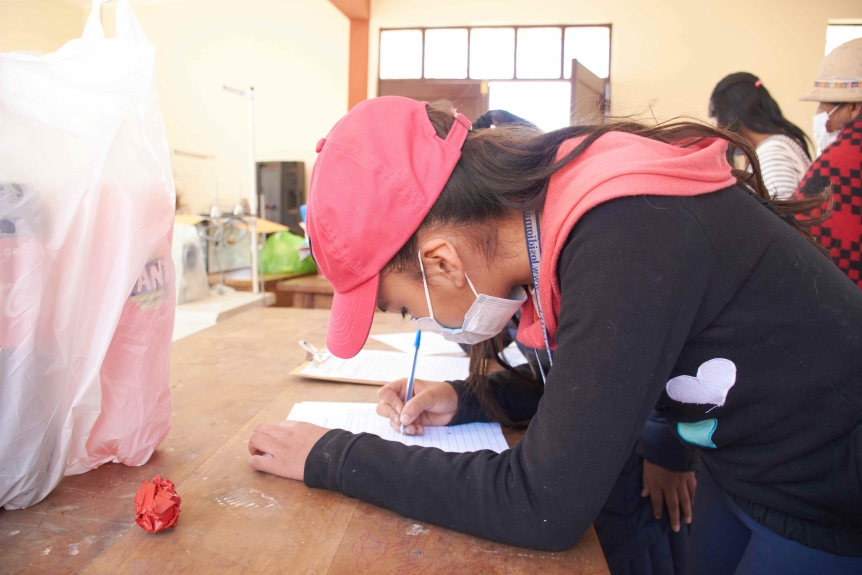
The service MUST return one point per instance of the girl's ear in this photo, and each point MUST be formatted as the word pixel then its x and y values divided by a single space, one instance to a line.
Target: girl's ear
pixel 442 263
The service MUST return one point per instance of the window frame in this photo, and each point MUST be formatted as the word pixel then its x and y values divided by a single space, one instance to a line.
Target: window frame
pixel 424 85
pixel 514 78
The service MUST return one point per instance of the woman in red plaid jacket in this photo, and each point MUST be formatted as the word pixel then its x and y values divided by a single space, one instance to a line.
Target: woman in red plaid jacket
pixel 838 132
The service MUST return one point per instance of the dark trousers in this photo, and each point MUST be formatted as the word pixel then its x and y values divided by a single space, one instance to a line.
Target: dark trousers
pixel 635 542
pixel 726 541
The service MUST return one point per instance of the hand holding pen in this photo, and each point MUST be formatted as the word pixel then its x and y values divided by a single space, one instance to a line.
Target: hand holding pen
pixel 433 403
pixel 410 404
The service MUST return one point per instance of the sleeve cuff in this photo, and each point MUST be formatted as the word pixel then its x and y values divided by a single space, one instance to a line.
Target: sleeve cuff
pixel 325 460
pixel 469 408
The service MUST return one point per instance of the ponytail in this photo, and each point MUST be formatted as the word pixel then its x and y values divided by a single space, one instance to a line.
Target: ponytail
pixel 741 99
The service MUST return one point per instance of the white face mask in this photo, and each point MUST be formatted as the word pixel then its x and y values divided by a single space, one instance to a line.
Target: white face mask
pixel 486 318
pixel 822 137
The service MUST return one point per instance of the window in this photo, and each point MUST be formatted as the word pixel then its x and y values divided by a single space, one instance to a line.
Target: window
pixel 837 34
pixel 446 53
pixel 492 53
pixel 501 53
pixel 539 53
pixel 401 54
pixel 589 45
pixel 527 70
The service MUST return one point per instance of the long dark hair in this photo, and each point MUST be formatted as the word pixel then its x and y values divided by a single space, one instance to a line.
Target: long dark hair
pixel 741 99
pixel 494 118
pixel 482 357
pixel 508 169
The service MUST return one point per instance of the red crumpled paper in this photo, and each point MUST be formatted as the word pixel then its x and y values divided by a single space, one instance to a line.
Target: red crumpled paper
pixel 157 505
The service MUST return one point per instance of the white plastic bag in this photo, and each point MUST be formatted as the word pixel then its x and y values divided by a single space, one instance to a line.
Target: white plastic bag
pixel 86 277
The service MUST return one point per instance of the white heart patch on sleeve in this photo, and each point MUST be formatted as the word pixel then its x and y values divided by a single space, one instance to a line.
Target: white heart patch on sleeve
pixel 714 380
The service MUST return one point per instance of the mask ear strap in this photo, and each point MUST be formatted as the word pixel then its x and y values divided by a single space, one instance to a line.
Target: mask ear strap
pixel 471 285
pixel 425 283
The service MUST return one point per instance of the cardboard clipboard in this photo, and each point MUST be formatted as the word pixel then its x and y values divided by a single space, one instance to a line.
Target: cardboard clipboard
pixel 379 367
pixel 296 371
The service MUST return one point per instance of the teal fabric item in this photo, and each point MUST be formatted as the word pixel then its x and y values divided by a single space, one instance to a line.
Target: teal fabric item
pixel 699 432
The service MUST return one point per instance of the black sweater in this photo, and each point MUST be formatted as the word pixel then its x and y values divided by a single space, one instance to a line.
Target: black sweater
pixel 653 287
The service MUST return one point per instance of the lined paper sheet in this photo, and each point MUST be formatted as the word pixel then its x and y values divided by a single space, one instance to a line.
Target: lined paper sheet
pixel 362 417
pixel 385 366
pixel 432 343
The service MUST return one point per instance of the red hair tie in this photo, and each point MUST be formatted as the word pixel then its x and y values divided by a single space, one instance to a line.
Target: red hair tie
pixel 758 84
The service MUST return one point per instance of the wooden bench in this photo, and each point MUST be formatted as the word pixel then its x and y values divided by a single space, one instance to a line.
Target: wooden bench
pixel 310 292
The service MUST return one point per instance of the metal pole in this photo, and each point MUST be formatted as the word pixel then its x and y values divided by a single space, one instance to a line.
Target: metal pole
pixel 252 193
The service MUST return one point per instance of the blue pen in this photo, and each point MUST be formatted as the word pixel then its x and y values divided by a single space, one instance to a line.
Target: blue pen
pixel 412 372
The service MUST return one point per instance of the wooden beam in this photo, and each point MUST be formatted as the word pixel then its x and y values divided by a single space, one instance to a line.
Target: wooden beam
pixel 354 9
pixel 357 76
pixel 358 11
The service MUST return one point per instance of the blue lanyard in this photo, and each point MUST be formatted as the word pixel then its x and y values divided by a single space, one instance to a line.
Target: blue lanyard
pixel 534 250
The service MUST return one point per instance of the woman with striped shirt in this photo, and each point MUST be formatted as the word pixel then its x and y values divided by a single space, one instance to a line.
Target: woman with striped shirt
pixel 742 104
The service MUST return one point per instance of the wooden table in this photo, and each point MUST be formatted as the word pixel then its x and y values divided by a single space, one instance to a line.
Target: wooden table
pixel 224 381
pixel 310 292
pixel 241 280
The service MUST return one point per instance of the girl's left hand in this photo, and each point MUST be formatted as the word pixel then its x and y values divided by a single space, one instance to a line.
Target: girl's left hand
pixel 288 443
pixel 674 489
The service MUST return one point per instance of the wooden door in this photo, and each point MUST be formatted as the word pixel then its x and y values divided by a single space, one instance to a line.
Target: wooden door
pixel 589 96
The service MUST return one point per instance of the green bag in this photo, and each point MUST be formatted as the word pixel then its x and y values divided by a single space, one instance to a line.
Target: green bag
pixel 280 255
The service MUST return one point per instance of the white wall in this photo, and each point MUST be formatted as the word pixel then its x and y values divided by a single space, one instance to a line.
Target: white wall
pixel 670 53
pixel 38 26
pixel 294 53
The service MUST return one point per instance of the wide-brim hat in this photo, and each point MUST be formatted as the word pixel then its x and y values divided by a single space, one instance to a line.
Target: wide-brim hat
pixel 839 78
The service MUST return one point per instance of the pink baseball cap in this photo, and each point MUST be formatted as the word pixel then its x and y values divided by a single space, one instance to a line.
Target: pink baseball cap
pixel 378 173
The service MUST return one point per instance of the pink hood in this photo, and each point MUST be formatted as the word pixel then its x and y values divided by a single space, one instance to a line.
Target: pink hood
pixel 616 165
